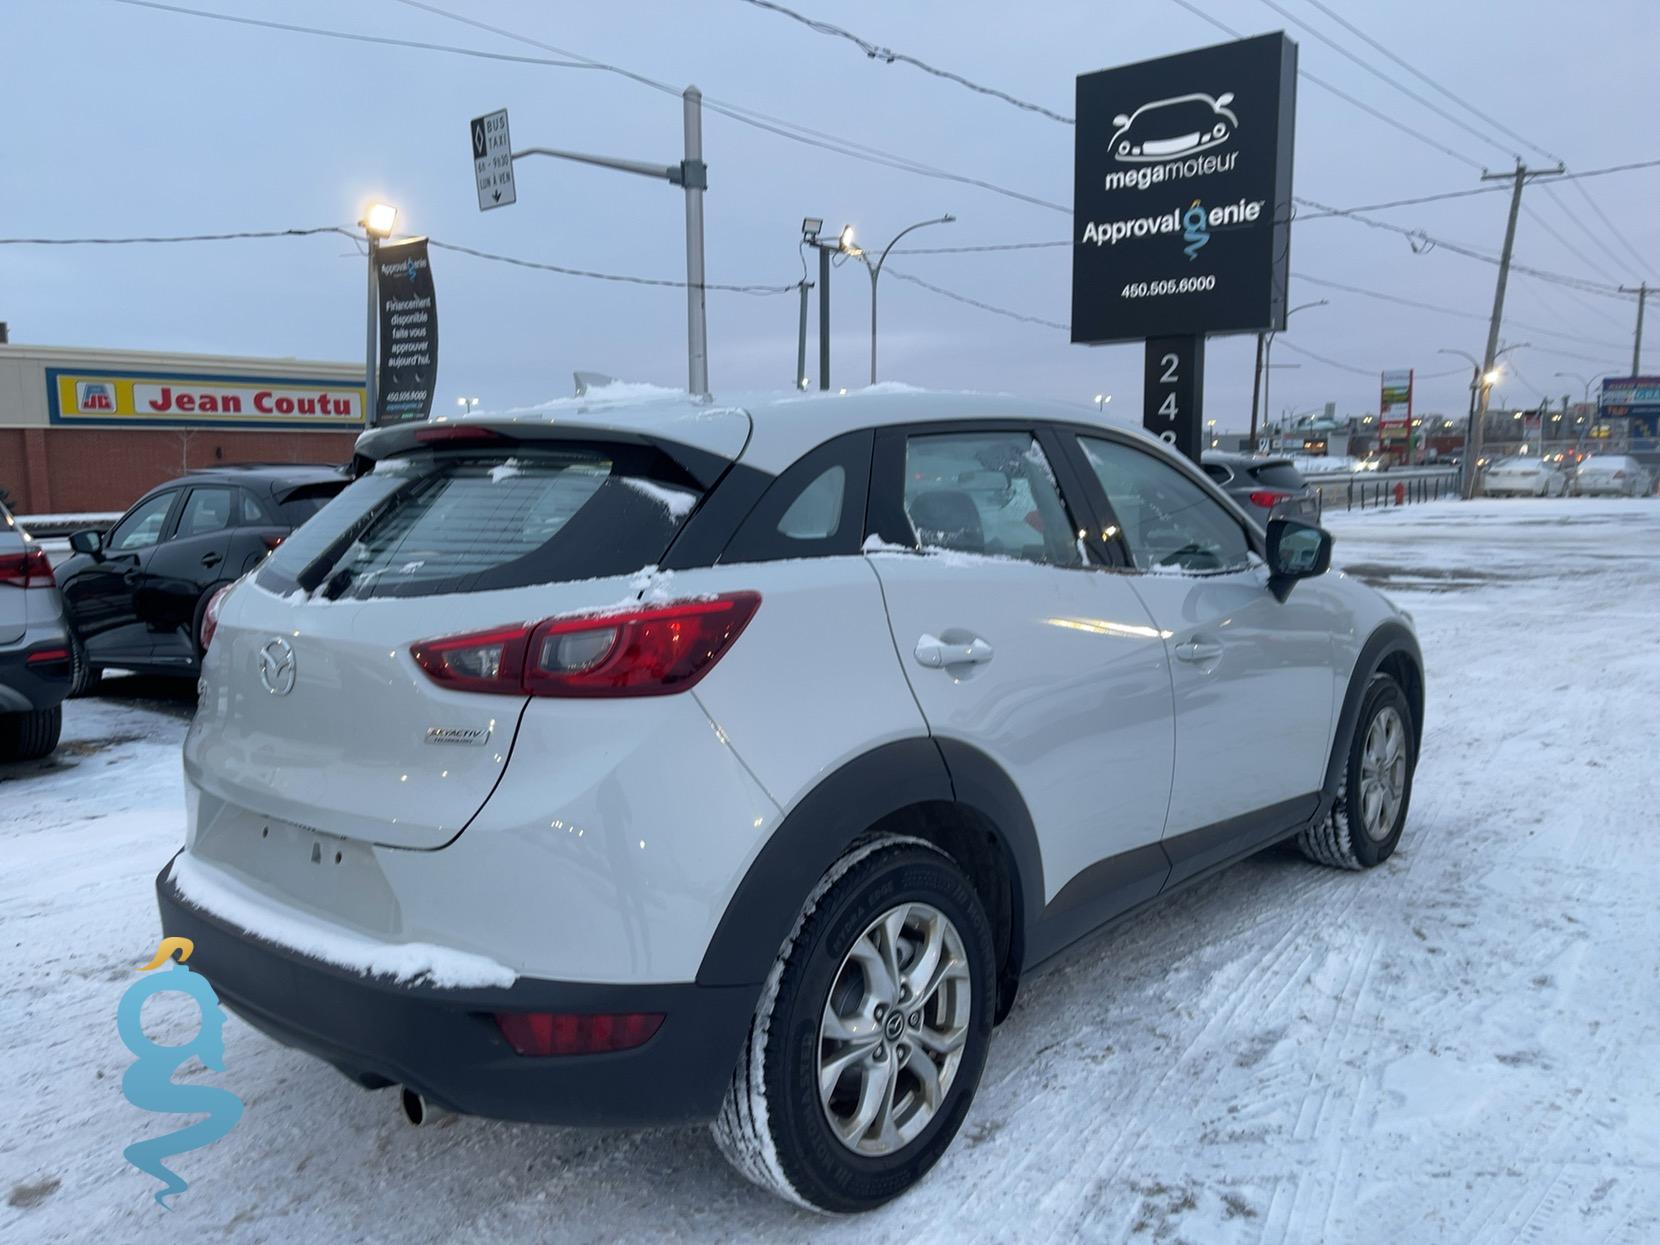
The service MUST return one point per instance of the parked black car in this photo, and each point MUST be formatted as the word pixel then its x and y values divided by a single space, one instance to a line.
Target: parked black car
pixel 135 595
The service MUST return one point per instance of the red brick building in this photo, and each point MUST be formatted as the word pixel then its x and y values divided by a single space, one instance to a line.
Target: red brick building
pixel 87 431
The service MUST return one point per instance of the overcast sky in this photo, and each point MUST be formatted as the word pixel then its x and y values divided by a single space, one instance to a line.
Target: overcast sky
pixel 123 120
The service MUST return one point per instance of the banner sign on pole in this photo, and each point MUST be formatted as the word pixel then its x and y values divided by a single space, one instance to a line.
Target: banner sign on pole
pixel 1182 193
pixel 408 332
pixel 1395 408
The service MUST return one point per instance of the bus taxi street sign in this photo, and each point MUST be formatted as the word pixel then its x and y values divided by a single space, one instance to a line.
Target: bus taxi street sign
pixel 493 161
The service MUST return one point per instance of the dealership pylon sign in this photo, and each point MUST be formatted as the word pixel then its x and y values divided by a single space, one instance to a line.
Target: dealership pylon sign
pixel 1182 208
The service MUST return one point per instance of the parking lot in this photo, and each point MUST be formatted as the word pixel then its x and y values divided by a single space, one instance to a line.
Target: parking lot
pixel 1458 1046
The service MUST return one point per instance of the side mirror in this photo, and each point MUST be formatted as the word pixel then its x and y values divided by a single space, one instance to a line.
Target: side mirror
pixel 87 542
pixel 1295 551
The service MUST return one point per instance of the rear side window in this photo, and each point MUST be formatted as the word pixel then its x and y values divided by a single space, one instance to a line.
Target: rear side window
pixel 1218 472
pixel 1278 475
pixel 442 522
pixel 815 509
pixel 305 501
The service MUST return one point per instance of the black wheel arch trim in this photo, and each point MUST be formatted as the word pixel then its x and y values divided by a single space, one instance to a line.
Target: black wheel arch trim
pixel 906 774
pixel 1388 640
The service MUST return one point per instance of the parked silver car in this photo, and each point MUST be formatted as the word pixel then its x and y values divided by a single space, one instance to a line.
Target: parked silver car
pixel 34 647
pixel 1265 488
pixel 1612 475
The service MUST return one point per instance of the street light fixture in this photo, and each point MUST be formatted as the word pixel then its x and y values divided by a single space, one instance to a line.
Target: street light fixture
pixel 1101 400
pixel 1481 383
pixel 812 230
pixel 378 219
pixel 467 404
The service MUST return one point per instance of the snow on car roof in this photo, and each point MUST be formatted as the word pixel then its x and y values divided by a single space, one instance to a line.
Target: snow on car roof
pixel 770 429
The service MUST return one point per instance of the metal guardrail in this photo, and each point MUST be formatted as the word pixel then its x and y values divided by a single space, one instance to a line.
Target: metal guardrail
pixel 1363 490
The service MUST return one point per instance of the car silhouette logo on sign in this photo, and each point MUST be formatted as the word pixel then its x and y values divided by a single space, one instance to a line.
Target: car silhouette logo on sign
pixel 276 666
pixel 1168 129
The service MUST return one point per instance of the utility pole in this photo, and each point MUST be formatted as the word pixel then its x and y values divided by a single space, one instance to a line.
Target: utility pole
pixel 1637 344
pixel 823 318
pixel 811 227
pixel 800 381
pixel 1472 451
pixel 1256 389
pixel 692 176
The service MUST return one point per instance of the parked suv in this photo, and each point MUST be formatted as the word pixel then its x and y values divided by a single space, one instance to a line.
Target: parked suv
pixel 136 595
pixel 34 647
pixel 631 764
pixel 1265 488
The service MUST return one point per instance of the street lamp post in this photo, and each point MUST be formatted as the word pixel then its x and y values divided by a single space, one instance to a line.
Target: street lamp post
pixel 467 405
pixel 1585 399
pixel 378 220
pixel 1101 400
pixel 1266 361
pixel 876 271
pixel 1483 385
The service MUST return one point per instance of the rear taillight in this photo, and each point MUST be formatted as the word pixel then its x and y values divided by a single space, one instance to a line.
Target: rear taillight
pixel 570 1033
pixel 210 615
pixel 28 569
pixel 1267 500
pixel 47 657
pixel 645 652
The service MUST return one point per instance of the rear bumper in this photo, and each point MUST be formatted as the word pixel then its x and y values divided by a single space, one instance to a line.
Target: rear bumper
pixel 445 1044
pixel 25 688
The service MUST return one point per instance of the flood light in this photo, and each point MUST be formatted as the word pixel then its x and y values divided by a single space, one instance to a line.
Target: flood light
pixel 379 219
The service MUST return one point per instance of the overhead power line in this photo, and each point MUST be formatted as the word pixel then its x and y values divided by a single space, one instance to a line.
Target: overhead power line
pixel 889 56
pixel 354 37
pixel 1419 305
pixel 1341 94
pixel 1642 264
pixel 1425 78
pixel 181 237
pixel 1573 250
pixel 974 302
pixel 607 276
pixel 1380 75
pixel 164 239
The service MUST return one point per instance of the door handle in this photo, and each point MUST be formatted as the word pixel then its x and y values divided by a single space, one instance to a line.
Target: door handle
pixel 936 654
pixel 1198 650
pixel 211 559
pixel 130 576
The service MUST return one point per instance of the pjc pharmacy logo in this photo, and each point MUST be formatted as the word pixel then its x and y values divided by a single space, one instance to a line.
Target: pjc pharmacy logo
pixel 149 1083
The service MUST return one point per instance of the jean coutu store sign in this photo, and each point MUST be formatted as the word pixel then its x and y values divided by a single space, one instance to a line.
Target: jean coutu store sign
pixel 154 399
pixel 1182 193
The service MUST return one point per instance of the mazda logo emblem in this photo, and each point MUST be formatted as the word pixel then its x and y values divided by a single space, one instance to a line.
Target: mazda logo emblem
pixel 276 666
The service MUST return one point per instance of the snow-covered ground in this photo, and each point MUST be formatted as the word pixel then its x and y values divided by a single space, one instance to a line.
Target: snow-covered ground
pixel 1463 1046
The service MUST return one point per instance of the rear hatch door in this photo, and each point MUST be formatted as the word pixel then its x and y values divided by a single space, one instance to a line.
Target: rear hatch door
pixel 314 710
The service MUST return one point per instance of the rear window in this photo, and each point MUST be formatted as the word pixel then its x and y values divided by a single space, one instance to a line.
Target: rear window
pixel 437 522
pixel 1278 475
pixel 305 501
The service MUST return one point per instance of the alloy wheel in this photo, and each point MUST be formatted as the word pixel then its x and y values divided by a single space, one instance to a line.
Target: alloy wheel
pixel 894 1028
pixel 1383 773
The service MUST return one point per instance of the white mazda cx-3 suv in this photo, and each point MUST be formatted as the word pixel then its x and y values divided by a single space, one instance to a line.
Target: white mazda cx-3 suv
pixel 629 763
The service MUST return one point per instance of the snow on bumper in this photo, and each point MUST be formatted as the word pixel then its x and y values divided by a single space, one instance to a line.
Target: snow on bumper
pixel 220 895
pixel 444 1041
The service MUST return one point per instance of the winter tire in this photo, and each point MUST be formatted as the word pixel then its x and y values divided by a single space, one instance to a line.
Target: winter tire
pixel 84 676
pixel 30 736
pixel 870 1034
pixel 1366 819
